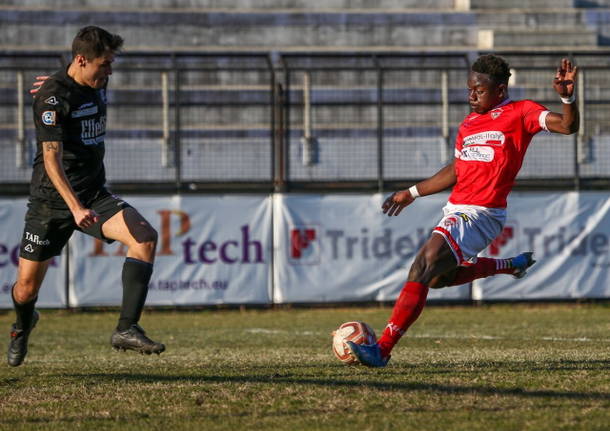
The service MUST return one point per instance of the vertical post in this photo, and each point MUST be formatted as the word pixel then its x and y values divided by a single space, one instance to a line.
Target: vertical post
pixel 284 157
pixel 306 104
pixel 279 178
pixel 66 255
pixel 20 150
pixel 444 116
pixel 309 145
pixel 272 106
pixel 177 127
pixel 165 159
pixel 380 121
pixel 583 155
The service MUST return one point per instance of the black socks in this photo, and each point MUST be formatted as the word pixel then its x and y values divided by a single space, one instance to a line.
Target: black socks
pixel 136 275
pixel 24 312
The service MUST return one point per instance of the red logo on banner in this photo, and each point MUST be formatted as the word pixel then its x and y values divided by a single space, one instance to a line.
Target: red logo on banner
pixel 501 240
pixel 300 239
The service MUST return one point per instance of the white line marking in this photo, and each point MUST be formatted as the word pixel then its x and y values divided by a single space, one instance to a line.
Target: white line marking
pixel 443 336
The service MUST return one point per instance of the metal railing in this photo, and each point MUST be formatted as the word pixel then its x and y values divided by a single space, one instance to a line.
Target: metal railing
pixel 192 122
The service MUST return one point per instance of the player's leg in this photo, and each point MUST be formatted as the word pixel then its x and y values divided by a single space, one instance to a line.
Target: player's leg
pixel 486 267
pixel 434 259
pixel 131 229
pixel 30 276
pixel 45 233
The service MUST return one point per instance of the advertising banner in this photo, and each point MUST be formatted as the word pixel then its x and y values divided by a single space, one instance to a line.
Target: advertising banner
pixel 307 248
pixel 211 250
pixel 333 248
pixel 53 291
pixel 570 236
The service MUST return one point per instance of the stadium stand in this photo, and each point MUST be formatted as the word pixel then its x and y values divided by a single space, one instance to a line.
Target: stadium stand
pixel 233 54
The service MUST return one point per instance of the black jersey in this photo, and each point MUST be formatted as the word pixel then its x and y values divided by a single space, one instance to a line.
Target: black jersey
pixel 76 116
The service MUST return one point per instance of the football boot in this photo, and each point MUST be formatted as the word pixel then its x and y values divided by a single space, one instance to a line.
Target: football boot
pixel 368 354
pixel 18 346
pixel 521 263
pixel 134 338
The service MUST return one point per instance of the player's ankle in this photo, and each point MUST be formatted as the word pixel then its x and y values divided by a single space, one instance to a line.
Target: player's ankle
pixel 385 349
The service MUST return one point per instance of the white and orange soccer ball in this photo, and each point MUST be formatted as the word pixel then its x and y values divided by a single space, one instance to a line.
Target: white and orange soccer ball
pixel 357 332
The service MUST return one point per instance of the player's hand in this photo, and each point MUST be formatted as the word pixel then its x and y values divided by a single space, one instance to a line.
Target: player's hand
pixel 565 78
pixel 85 217
pixel 396 202
pixel 37 84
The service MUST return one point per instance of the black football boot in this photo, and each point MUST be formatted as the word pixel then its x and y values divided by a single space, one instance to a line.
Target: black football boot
pixel 135 338
pixel 18 346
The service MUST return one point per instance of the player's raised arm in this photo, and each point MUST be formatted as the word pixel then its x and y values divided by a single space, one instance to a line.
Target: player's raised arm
pixel 440 181
pixel 564 84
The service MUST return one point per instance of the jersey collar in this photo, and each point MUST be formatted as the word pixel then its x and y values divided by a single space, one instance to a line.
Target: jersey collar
pixel 504 102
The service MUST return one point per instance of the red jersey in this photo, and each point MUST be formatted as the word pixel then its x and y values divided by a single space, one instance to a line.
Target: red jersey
pixel 489 151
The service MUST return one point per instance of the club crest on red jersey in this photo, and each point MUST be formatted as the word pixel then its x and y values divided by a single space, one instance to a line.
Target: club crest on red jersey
pixel 495 114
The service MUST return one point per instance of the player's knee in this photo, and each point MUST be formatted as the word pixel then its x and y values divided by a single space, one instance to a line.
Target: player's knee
pixel 147 241
pixel 150 237
pixel 424 269
pixel 25 290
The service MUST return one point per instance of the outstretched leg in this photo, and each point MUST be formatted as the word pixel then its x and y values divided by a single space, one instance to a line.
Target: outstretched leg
pixel 433 260
pixel 486 267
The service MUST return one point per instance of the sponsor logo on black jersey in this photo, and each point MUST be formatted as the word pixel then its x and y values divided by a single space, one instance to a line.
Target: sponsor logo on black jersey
pixel 92 131
pixel 85 112
pixel 52 101
pixel 48 118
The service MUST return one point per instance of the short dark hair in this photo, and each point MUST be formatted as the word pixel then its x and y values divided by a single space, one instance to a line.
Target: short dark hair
pixel 496 67
pixel 93 42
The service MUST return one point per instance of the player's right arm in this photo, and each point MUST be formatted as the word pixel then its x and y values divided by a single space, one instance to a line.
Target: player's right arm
pixel 438 182
pixel 52 155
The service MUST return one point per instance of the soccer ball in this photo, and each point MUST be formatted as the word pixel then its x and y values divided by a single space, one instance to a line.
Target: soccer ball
pixel 357 332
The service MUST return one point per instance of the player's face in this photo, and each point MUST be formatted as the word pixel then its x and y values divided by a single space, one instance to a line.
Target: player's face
pixel 484 93
pixel 95 72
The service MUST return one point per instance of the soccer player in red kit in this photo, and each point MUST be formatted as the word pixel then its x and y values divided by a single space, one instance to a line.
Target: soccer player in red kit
pixel 489 151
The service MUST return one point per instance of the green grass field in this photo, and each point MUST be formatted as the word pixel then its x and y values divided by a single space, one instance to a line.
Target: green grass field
pixel 496 367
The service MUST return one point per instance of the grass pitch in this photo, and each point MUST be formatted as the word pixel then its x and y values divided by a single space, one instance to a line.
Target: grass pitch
pixel 497 367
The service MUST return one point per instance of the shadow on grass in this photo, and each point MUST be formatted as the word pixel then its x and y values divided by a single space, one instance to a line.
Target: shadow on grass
pixel 519 366
pixel 287 378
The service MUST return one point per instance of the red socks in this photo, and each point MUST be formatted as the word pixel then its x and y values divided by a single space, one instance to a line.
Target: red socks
pixel 484 267
pixel 407 309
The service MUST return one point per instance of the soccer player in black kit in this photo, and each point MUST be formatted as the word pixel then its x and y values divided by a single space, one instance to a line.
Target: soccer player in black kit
pixel 67 193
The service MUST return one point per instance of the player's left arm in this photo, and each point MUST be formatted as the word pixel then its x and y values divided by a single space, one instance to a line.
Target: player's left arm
pixel 564 84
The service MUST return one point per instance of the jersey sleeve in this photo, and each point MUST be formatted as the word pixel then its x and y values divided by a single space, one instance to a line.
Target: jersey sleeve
pixel 50 115
pixel 534 116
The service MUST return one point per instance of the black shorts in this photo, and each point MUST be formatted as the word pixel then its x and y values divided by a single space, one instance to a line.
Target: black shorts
pixel 48 229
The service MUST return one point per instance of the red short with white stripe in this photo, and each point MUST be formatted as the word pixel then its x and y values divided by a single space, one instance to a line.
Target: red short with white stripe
pixel 469 229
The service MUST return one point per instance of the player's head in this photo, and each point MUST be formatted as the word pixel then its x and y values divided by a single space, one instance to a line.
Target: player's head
pixel 93 51
pixel 487 83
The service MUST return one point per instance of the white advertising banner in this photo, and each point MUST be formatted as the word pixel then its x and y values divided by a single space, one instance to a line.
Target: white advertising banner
pixel 53 291
pixel 307 248
pixel 211 250
pixel 569 234
pixel 332 248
